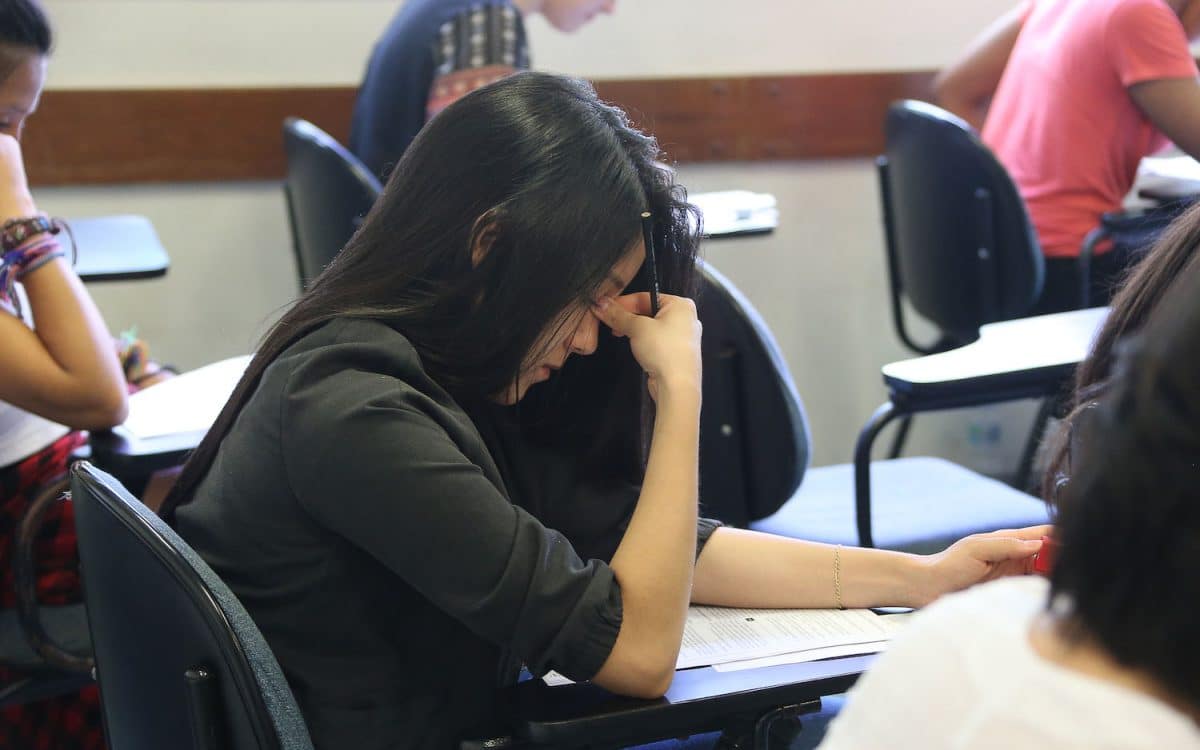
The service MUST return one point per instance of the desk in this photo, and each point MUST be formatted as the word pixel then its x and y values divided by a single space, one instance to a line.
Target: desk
pixel 699 700
pixel 1024 358
pixel 1167 178
pixel 147 442
pixel 117 248
pixel 736 213
pixel 1030 356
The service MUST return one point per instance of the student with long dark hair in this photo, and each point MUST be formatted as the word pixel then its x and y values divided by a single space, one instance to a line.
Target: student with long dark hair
pixel 407 529
pixel 1104 654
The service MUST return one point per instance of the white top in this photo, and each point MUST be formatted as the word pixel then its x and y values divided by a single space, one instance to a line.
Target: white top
pixel 963 676
pixel 21 433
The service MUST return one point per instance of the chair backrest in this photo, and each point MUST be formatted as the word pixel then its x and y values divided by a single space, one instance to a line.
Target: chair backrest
pixel 753 432
pixel 179 662
pixel 328 192
pixel 961 247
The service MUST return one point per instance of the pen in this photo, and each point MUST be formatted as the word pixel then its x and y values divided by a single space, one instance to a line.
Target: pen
pixel 648 239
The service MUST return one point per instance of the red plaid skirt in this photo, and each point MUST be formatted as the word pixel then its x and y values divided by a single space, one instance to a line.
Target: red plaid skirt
pixel 71 721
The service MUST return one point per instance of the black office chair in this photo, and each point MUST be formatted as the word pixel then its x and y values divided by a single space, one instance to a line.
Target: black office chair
pixel 960 246
pixel 179 662
pixel 753 433
pixel 47 647
pixel 328 192
pixel 750 405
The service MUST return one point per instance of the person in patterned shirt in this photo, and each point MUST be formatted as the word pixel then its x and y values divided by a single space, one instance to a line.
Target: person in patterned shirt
pixel 435 51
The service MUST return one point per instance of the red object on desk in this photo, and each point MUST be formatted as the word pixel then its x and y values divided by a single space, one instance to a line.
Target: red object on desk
pixel 1043 561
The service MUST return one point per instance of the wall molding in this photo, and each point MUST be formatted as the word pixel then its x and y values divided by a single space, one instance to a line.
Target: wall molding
pixel 89 137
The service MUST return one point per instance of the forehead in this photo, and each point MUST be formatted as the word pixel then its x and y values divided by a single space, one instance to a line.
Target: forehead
pixel 627 267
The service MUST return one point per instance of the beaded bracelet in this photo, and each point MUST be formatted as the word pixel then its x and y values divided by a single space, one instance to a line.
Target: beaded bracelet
pixel 17 231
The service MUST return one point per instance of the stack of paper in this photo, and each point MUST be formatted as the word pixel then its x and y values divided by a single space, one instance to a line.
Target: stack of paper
pixel 743 638
pixel 1169 175
pixel 731 639
pixel 736 211
pixel 184 404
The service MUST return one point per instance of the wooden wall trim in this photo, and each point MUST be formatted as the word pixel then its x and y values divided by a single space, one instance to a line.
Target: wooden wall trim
pixel 82 137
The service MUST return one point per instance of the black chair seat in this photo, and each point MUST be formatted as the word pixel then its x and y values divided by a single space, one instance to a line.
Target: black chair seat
pixel 40 686
pixel 67 627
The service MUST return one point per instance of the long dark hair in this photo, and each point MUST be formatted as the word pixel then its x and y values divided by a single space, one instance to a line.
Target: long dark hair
pixel 24 28
pixel 1172 256
pixel 1129 521
pixel 551 182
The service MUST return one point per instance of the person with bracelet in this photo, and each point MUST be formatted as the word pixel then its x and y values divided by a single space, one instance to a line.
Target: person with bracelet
pixel 59 375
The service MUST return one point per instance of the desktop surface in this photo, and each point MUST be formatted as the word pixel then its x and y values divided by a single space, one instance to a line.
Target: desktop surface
pixel 699 700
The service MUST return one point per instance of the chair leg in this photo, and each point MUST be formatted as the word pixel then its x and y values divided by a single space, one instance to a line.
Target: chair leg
pixel 1029 453
pixel 862 469
pixel 901 437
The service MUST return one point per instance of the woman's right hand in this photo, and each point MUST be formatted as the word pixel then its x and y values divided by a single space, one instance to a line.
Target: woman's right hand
pixel 15 200
pixel 666 346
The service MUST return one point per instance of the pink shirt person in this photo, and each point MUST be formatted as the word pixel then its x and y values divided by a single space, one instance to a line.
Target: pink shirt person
pixel 1062 121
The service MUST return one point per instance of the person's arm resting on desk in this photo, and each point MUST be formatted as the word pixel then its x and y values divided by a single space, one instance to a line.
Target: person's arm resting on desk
pixel 740 568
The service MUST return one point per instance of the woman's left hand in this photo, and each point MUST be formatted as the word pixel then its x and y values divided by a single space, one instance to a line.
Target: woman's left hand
pixel 981 557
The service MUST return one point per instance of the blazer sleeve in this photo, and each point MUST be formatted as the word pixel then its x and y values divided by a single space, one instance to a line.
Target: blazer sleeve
pixel 374 461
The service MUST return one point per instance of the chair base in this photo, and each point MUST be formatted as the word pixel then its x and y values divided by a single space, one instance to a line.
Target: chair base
pixel 919 505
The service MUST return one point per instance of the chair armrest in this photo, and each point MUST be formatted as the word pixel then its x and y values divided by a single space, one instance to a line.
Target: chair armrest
pixel 25 583
pixel 1023 358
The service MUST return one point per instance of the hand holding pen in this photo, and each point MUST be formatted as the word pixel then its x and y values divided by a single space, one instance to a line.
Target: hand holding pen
pixel 667 346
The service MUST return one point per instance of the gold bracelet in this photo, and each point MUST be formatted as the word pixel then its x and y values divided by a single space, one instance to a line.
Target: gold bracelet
pixel 837 576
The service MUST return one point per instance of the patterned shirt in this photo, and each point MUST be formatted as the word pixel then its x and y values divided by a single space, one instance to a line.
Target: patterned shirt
pixel 432 53
pixel 474 49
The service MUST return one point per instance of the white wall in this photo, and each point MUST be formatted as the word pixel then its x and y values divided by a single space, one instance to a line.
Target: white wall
pixel 105 43
pixel 819 281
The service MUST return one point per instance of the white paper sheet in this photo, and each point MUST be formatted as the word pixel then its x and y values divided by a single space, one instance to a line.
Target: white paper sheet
pixel 746 638
pixel 715 635
pixel 799 657
pixel 184 404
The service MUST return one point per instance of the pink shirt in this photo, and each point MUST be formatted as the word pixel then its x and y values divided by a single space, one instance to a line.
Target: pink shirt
pixel 1062 121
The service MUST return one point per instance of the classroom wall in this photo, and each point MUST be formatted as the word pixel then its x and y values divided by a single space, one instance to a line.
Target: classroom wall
pixel 819 281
